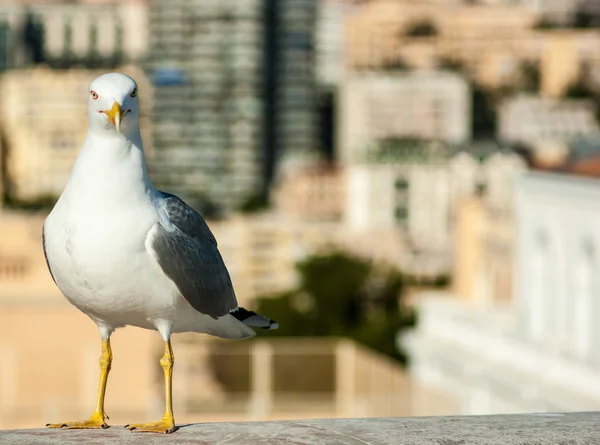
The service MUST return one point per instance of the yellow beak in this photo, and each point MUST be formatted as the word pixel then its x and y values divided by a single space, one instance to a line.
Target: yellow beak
pixel 115 115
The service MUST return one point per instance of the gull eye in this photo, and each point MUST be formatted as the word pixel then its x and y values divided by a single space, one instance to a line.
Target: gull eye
pixel 133 93
pixel 94 95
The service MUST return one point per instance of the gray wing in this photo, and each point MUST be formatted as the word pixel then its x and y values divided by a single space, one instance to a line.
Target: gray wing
pixel 46 254
pixel 187 252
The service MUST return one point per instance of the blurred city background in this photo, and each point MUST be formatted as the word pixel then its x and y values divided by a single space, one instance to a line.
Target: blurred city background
pixel 410 187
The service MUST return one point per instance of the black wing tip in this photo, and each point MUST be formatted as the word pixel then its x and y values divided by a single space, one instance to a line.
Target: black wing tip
pixel 254 320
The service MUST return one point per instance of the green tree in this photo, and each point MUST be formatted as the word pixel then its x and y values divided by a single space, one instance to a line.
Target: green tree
pixel 343 296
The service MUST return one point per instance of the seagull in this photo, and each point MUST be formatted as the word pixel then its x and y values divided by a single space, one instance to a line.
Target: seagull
pixel 127 254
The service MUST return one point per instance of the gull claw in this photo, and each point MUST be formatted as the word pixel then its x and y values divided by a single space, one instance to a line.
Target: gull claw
pixel 165 426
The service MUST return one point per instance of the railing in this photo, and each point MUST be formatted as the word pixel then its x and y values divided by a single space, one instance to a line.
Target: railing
pixel 259 379
pixel 12 268
pixel 308 378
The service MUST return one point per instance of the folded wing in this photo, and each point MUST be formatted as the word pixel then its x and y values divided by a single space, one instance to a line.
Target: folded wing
pixel 186 250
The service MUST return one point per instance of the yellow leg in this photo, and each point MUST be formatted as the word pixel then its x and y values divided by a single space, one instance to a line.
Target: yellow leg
pixel 167 424
pixel 98 418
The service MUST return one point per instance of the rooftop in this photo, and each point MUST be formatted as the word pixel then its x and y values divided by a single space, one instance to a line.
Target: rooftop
pixel 514 429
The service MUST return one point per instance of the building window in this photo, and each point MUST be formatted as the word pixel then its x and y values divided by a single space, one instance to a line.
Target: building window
pixel 480 188
pixel 33 38
pixel 401 214
pixel 401 184
pixel 118 42
pixel 68 39
pixel 401 211
pixel 94 39
pixel 4 45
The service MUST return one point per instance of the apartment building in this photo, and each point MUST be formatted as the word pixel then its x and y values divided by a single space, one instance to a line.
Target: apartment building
pixel 432 105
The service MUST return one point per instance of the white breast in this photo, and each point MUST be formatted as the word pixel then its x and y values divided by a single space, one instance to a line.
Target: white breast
pixel 101 264
pixel 95 239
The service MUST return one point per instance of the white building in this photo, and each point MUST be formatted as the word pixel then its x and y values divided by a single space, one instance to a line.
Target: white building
pixel 536 120
pixel 541 352
pixel 385 196
pixel 421 198
pixel 426 105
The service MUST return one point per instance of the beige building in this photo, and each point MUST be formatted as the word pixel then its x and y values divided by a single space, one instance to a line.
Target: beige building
pixel 382 33
pixel 560 63
pixel 375 32
pixel 484 234
pixel 261 250
pixel 492 40
pixel 43 116
pixel 311 193
pixel 479 35
pixel 484 252
pixel 566 56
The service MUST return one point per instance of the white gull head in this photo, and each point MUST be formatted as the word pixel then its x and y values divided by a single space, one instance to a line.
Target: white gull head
pixel 113 104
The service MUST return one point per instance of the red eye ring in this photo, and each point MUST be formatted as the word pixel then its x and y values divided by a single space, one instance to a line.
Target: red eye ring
pixel 94 95
pixel 133 93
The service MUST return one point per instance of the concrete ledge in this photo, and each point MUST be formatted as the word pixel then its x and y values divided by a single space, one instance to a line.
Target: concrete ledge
pixel 517 429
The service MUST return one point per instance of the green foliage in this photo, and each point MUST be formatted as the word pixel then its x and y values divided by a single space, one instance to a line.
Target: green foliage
pixel 343 296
